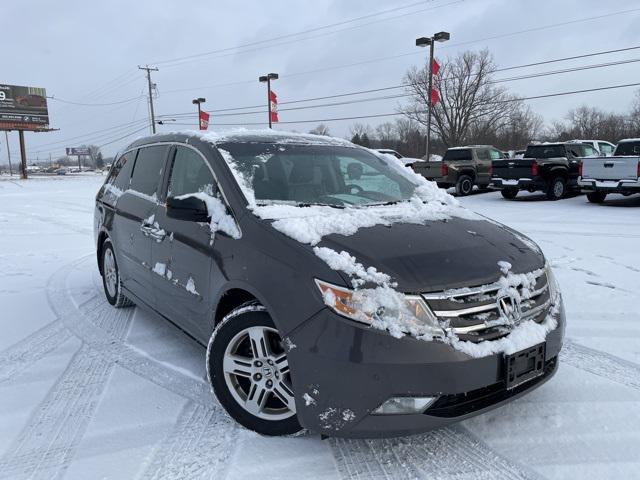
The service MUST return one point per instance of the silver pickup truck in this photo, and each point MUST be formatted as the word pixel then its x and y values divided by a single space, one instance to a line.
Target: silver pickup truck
pixel 620 173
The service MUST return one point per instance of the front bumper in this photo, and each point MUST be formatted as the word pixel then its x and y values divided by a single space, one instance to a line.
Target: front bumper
pixel 342 371
pixel 610 186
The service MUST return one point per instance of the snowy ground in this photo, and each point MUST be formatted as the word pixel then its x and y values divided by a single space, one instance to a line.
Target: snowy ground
pixel 87 391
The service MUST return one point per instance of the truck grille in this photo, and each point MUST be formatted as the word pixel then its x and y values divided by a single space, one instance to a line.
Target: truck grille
pixel 474 314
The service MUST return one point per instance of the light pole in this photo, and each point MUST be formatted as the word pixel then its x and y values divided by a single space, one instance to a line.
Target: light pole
pixel 198 101
pixel 423 42
pixel 267 78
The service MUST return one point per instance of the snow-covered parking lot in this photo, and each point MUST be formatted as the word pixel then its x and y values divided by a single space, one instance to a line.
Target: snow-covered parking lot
pixel 87 391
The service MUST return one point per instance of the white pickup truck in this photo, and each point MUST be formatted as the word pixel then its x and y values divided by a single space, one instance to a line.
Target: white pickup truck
pixel 620 173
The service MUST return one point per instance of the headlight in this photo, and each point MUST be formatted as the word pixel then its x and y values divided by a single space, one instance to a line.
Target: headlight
pixel 554 288
pixel 383 308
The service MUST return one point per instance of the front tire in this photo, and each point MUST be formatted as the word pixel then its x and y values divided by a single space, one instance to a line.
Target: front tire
pixel 596 197
pixel 556 188
pixel 111 277
pixel 249 372
pixel 464 185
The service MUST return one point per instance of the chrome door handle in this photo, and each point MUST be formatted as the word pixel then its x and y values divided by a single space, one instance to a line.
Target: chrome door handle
pixel 157 234
pixel 146 229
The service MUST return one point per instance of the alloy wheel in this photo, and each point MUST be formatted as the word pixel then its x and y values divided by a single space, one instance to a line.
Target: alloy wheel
pixel 110 272
pixel 256 372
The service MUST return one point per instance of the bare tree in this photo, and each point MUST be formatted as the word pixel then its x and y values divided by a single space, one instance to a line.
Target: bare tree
pixel 321 129
pixel 361 129
pixel 469 98
pixel 386 135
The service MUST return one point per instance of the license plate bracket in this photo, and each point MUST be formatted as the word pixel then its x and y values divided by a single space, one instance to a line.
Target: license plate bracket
pixel 525 365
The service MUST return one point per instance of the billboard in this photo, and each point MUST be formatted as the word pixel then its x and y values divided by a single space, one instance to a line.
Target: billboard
pixel 23 108
pixel 77 151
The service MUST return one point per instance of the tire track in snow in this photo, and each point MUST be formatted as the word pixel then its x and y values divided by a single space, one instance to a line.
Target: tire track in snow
pixel 32 348
pixel 47 444
pixel 200 445
pixel 601 363
pixel 450 452
pixel 85 321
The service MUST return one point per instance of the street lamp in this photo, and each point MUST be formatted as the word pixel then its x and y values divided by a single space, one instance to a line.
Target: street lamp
pixel 267 78
pixel 424 42
pixel 198 101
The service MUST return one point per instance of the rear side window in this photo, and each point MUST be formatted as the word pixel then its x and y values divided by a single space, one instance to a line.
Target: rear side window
pixel 545 151
pixel 148 169
pixel 482 154
pixel 458 154
pixel 120 174
pixel 190 174
pixel 496 154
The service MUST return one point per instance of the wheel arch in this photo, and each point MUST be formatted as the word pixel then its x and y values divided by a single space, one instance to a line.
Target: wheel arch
pixel 102 236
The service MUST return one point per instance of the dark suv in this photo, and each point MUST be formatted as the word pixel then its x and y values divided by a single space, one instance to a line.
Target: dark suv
pixel 334 290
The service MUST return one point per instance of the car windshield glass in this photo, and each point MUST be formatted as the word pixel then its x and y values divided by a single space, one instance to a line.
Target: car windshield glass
pixel 545 151
pixel 628 148
pixel 458 154
pixel 316 174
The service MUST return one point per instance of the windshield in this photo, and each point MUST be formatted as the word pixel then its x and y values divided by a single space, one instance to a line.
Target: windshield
pixel 544 151
pixel 316 174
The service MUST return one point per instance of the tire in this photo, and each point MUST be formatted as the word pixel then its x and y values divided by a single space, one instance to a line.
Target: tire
pixel 249 373
pixel 596 197
pixel 556 188
pixel 509 193
pixel 111 277
pixel 464 185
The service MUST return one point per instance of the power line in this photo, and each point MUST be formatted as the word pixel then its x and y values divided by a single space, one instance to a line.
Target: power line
pixel 95 104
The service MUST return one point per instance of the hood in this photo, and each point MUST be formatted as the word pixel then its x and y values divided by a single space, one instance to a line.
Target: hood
pixel 441 254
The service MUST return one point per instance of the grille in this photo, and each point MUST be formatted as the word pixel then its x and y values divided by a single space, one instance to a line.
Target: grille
pixel 474 314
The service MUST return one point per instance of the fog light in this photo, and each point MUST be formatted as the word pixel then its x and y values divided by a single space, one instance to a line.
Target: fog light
pixel 400 405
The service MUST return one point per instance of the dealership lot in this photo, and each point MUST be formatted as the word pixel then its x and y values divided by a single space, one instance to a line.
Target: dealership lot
pixel 88 390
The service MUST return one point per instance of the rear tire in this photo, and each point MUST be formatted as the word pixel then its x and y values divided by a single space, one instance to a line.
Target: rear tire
pixel 596 197
pixel 111 277
pixel 509 193
pixel 249 372
pixel 464 185
pixel 556 188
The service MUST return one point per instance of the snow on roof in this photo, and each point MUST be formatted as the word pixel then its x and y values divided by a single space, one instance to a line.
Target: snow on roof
pixel 625 140
pixel 265 135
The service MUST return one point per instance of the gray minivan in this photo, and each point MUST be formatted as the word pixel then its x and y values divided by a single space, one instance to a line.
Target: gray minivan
pixel 332 289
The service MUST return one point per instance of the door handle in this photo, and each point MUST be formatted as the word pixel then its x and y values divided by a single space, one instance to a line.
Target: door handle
pixel 146 229
pixel 157 234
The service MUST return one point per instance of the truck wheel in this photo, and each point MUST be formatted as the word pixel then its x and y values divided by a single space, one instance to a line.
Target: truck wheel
pixel 509 193
pixel 556 188
pixel 596 197
pixel 464 185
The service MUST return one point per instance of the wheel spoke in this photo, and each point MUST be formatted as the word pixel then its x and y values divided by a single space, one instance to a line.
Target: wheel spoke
pixel 257 399
pixel 259 342
pixel 282 364
pixel 284 393
pixel 237 365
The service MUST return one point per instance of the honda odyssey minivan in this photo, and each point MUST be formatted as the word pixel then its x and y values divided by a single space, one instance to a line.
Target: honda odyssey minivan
pixel 332 289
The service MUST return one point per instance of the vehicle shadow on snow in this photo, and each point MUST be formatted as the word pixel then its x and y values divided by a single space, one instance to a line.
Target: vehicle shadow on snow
pixel 539 197
pixel 621 201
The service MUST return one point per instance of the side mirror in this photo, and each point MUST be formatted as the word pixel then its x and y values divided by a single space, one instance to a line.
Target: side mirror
pixel 189 209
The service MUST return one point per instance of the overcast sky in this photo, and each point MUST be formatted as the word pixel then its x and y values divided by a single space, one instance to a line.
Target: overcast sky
pixel 88 52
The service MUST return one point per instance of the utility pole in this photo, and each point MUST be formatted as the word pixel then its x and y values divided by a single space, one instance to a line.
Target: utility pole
pixel 6 136
pixel 150 86
pixel 198 101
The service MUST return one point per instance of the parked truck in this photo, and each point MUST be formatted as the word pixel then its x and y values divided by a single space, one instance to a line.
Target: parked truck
pixel 461 167
pixel 620 173
pixel 547 167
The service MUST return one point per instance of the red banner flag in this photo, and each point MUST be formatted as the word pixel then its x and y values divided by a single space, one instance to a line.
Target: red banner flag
pixel 435 96
pixel 204 120
pixel 273 100
pixel 435 67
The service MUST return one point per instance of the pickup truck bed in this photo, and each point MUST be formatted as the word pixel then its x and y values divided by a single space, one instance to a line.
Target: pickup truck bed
pixel 600 176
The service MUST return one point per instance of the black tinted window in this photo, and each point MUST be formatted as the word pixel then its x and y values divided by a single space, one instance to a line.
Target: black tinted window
pixel 148 169
pixel 628 148
pixel 120 174
pixel 458 154
pixel 545 151
pixel 189 174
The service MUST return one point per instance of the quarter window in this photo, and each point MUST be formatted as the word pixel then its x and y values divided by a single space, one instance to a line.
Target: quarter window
pixel 190 174
pixel 148 169
pixel 120 174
